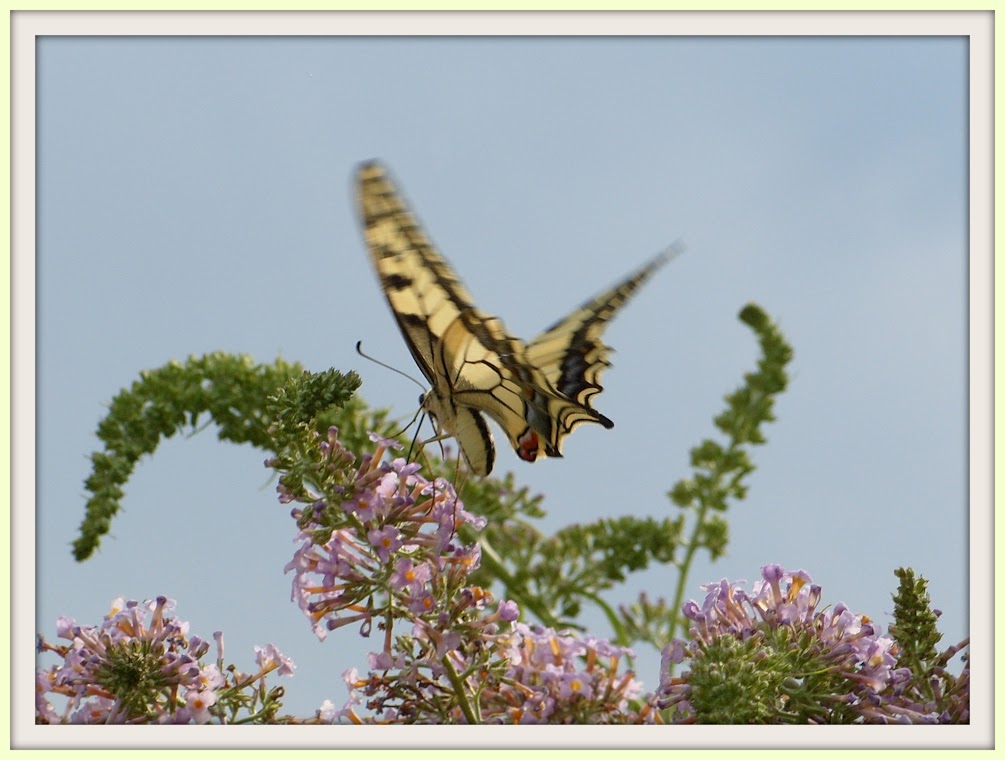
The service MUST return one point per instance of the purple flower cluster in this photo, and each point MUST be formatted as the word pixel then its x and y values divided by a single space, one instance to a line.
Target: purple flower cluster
pixel 417 678
pixel 771 657
pixel 386 547
pixel 138 666
pixel 529 675
pixel 561 678
pixel 382 546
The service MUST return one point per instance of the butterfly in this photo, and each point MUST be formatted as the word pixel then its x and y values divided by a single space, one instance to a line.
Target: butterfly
pixel 537 392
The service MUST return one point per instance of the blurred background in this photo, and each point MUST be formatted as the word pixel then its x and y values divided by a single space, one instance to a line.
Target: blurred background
pixel 194 195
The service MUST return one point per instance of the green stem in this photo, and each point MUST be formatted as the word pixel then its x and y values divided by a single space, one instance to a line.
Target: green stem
pixel 465 705
pixel 693 545
pixel 494 563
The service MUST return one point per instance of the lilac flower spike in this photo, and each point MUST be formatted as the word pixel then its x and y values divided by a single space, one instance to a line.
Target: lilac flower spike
pixel 137 666
pixel 771 657
pixel 400 537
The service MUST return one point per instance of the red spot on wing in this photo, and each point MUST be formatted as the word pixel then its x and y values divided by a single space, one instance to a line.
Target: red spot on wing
pixel 529 445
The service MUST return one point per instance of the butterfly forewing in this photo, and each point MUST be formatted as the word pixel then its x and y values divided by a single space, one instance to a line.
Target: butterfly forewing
pixel 424 296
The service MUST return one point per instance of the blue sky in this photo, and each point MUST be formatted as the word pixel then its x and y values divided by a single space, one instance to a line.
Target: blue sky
pixel 195 195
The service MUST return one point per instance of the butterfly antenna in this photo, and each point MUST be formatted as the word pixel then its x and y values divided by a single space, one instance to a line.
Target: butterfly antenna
pixel 359 350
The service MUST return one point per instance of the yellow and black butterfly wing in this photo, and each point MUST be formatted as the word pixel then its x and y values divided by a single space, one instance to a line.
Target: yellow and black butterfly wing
pixel 537 393
pixel 466 355
pixel 424 294
pixel 571 356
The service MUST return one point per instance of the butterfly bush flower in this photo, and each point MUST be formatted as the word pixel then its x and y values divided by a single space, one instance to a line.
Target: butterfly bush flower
pixel 388 545
pixel 526 675
pixel 269 658
pixel 140 666
pixel 554 677
pixel 377 546
pixel 771 656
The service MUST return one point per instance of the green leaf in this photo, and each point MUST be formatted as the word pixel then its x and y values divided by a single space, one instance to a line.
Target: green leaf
pixel 230 389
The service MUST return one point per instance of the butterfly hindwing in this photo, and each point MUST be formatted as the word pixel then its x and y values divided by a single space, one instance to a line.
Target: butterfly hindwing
pixel 571 355
pixel 537 393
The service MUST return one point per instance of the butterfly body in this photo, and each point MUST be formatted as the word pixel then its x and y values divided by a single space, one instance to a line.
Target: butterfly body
pixel 537 392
